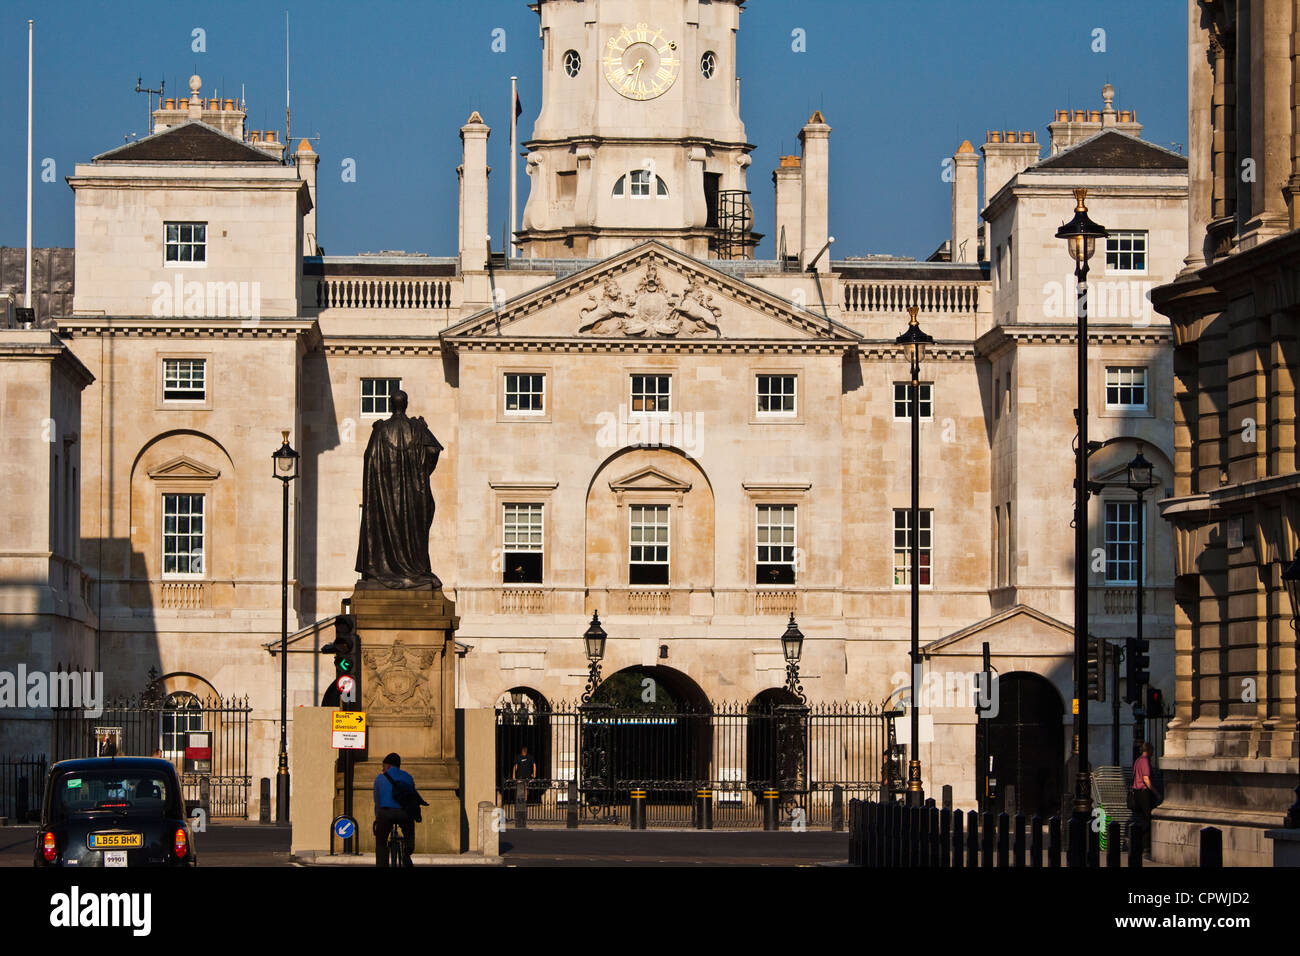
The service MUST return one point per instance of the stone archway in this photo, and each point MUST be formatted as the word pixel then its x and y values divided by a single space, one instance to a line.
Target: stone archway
pixel 1023 747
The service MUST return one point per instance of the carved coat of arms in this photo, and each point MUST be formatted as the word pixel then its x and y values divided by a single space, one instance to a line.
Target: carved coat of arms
pixel 651 310
pixel 399 680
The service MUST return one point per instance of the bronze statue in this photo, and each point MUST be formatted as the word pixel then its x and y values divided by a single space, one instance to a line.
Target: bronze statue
pixel 396 503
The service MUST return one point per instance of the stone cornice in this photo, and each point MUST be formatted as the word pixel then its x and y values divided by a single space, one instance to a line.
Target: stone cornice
pixel 152 327
pixel 634 346
pixel 25 346
pixel 1003 337
pixel 380 345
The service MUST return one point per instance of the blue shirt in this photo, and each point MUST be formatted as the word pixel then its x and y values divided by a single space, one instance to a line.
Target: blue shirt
pixel 384 789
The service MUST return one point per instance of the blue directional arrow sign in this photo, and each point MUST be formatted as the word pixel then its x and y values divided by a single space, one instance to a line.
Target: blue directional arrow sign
pixel 345 827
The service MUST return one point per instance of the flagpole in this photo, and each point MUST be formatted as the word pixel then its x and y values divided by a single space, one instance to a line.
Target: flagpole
pixel 511 249
pixel 27 264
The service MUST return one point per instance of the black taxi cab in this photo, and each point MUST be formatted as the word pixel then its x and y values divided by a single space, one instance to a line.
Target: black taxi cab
pixel 113 811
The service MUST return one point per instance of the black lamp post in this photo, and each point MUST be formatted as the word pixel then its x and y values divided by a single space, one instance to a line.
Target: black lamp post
pixel 594 639
pixel 1140 480
pixel 1291 579
pixel 1081 235
pixel 792 646
pixel 284 465
pixel 914 342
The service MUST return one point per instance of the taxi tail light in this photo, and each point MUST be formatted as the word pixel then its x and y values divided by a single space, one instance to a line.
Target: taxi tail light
pixel 51 849
pixel 181 843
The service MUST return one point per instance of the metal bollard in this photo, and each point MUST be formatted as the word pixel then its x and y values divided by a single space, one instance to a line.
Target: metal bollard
pixel 1054 841
pixel 571 811
pixel 705 798
pixel 1004 840
pixel 972 839
pixel 945 837
pixel 771 799
pixel 958 844
pixel 264 792
pixel 1211 848
pixel 1114 854
pixel 946 794
pixel 521 805
pixel 837 808
pixel 1036 842
pixel 637 810
pixel 1020 841
pixel 988 839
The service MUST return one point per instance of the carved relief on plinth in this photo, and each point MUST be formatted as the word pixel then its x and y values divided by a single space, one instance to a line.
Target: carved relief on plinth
pixel 397 682
pixel 651 310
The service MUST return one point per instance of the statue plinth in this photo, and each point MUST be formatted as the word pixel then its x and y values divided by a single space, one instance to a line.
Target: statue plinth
pixel 408 691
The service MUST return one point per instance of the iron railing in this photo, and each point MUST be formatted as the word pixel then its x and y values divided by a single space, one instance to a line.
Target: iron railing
pixel 150 723
pixel 734 751
pixel 22 785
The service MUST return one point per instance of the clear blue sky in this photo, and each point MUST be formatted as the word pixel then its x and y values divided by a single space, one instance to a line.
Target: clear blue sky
pixel 902 82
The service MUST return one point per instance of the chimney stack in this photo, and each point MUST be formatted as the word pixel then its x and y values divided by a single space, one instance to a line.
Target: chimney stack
pixel 965 204
pixel 1005 155
pixel 473 173
pixel 787 179
pixel 814 193
pixel 307 160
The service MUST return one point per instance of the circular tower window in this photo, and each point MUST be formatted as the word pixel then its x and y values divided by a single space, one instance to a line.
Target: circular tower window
pixel 572 62
pixel 708 64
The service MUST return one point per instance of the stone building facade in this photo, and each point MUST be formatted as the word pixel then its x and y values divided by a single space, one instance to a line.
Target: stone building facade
pixel 640 418
pixel 1232 748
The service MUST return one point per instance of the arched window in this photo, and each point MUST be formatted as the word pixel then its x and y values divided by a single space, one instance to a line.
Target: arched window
pixel 641 181
pixel 181 713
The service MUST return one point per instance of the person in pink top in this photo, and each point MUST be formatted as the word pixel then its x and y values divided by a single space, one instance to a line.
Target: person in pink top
pixel 1144 797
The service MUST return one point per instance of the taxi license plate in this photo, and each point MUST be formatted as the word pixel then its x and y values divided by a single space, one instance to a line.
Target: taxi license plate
pixel 112 841
pixel 115 858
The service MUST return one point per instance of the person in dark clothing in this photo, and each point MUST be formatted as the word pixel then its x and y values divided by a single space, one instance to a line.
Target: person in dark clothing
pixel 525 769
pixel 1145 795
pixel 389 812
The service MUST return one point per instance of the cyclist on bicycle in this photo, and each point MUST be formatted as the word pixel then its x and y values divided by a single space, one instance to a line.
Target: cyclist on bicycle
pixel 389 812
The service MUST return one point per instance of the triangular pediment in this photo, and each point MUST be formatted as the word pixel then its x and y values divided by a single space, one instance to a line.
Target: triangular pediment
pixel 1019 630
pixel 652 294
pixel 649 479
pixel 183 467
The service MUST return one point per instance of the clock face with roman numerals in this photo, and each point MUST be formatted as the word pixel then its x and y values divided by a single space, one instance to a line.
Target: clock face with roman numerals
pixel 640 62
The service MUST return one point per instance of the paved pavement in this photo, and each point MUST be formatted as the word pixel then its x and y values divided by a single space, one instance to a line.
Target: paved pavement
pixel 623 847
pixel 222 844
pixel 251 844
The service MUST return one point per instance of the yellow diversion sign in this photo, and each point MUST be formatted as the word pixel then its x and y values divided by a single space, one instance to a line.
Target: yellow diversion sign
pixel 349 730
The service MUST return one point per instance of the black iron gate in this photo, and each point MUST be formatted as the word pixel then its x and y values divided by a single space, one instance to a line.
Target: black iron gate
pixel 597 754
pixel 153 723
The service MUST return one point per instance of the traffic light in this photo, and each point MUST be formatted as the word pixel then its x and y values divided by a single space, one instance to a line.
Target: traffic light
pixel 1155 702
pixel 1096 669
pixel 345 691
pixel 1137 655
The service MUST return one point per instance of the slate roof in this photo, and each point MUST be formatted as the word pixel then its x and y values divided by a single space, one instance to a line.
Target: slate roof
pixel 1111 149
pixel 190 142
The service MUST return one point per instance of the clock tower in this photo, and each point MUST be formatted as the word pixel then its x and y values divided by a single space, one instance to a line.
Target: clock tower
pixel 639 135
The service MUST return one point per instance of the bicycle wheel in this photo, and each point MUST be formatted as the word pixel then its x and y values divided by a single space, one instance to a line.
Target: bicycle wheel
pixel 394 849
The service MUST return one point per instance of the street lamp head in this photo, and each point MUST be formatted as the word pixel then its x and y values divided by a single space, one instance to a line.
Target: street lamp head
pixel 1140 477
pixel 792 641
pixel 284 462
pixel 595 638
pixel 914 340
pixel 1291 581
pixel 1081 233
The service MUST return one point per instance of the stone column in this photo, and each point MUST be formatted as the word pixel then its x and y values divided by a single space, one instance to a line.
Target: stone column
pixel 1200 94
pixel 474 194
pixel 1270 119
